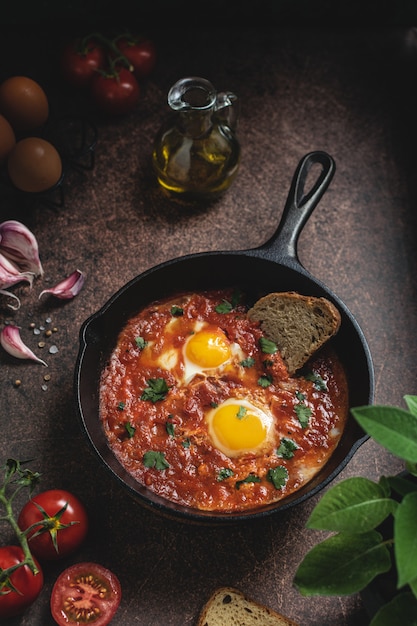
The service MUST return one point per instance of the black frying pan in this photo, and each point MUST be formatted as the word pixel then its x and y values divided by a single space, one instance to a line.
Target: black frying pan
pixel 274 266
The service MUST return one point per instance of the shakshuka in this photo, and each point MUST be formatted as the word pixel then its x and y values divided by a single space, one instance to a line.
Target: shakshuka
pixel 198 406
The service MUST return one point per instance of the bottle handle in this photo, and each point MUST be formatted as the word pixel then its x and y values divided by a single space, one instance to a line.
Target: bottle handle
pixel 227 109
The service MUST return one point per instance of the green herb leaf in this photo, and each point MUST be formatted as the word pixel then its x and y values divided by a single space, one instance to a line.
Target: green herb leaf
pixel 267 346
pixel 177 311
pixel 155 459
pixel 317 380
pixel 286 448
pixel 411 402
pixel 241 412
pixel 278 476
pixel 405 539
pixel 130 429
pixel 157 390
pixel 391 427
pixel 121 406
pixel 265 380
pixel 249 362
pixel 170 428
pixel 354 505
pixel 303 413
pixel 343 564
pixel 251 478
pixel 140 342
pixel 186 443
pixel 224 307
pixel 224 473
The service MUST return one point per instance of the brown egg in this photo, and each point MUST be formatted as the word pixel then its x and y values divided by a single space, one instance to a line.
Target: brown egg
pixel 23 103
pixel 7 139
pixel 34 165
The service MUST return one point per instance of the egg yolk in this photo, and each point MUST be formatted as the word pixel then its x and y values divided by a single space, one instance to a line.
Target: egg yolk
pixel 237 428
pixel 208 348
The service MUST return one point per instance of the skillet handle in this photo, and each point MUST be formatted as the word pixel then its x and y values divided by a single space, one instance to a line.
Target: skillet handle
pixel 299 206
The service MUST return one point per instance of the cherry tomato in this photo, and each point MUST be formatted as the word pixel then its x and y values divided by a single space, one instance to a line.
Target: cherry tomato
pixel 80 61
pixel 85 593
pixel 116 93
pixel 140 52
pixel 66 524
pixel 24 586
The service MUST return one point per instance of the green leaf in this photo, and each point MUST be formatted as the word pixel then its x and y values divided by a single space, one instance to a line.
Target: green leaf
pixel 267 346
pixel 401 485
pixel 140 342
pixel 265 380
pixel 249 362
pixel 155 459
pixel 177 311
pixel 343 564
pixel 411 402
pixel 224 307
pixel 354 505
pixel 401 611
pixel 250 478
pixel 303 413
pixel 157 390
pixel 241 412
pixel 405 539
pixel 224 473
pixel 317 380
pixel 130 430
pixel 278 476
pixel 286 448
pixel 391 427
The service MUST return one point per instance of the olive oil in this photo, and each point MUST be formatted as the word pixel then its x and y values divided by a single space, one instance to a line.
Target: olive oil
pixel 196 152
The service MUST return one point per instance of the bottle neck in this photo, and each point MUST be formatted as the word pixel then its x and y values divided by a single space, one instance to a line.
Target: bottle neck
pixel 195 123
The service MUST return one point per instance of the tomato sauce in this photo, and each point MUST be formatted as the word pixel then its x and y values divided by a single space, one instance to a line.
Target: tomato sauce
pixel 159 410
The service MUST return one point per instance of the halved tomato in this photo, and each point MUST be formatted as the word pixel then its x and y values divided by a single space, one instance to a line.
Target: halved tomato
pixel 85 593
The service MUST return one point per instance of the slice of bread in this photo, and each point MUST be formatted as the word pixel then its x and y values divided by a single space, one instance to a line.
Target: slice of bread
pixel 229 607
pixel 299 325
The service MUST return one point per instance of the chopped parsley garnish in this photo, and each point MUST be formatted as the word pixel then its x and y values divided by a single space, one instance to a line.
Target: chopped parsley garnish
pixel 251 478
pixel 177 311
pixel 241 412
pixel 130 429
pixel 267 346
pixel 267 363
pixel 121 406
pixel 224 473
pixel 249 362
pixel 278 476
pixel 286 448
pixel 140 342
pixel 265 380
pixel 317 380
pixel 170 428
pixel 302 411
pixel 155 459
pixel 186 443
pixel 224 307
pixel 157 389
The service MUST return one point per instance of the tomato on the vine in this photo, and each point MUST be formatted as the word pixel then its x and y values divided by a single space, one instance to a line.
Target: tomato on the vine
pixel 22 587
pixel 115 93
pixel 140 52
pixel 86 593
pixel 65 523
pixel 81 60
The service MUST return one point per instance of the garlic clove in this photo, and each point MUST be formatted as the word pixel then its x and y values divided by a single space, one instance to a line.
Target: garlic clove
pixel 10 274
pixel 14 307
pixel 20 246
pixel 11 341
pixel 67 288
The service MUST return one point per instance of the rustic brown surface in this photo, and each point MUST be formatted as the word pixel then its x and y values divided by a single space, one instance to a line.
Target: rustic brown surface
pixel 349 92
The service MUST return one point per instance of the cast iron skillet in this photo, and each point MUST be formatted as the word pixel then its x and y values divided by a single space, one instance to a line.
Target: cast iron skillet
pixel 274 266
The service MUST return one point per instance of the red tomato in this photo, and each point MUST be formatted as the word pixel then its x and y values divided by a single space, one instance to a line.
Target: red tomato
pixel 140 52
pixel 85 593
pixel 67 523
pixel 26 585
pixel 115 94
pixel 81 60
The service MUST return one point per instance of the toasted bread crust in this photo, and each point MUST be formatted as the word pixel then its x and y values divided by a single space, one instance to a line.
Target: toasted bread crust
pixel 299 325
pixel 230 607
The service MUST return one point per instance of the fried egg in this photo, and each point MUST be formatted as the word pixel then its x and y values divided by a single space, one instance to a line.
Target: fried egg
pixel 208 349
pixel 238 427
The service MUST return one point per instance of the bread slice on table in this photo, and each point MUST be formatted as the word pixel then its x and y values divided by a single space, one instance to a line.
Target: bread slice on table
pixel 299 325
pixel 230 607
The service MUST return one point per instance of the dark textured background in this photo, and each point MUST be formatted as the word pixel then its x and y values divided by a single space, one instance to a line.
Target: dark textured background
pixel 348 90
